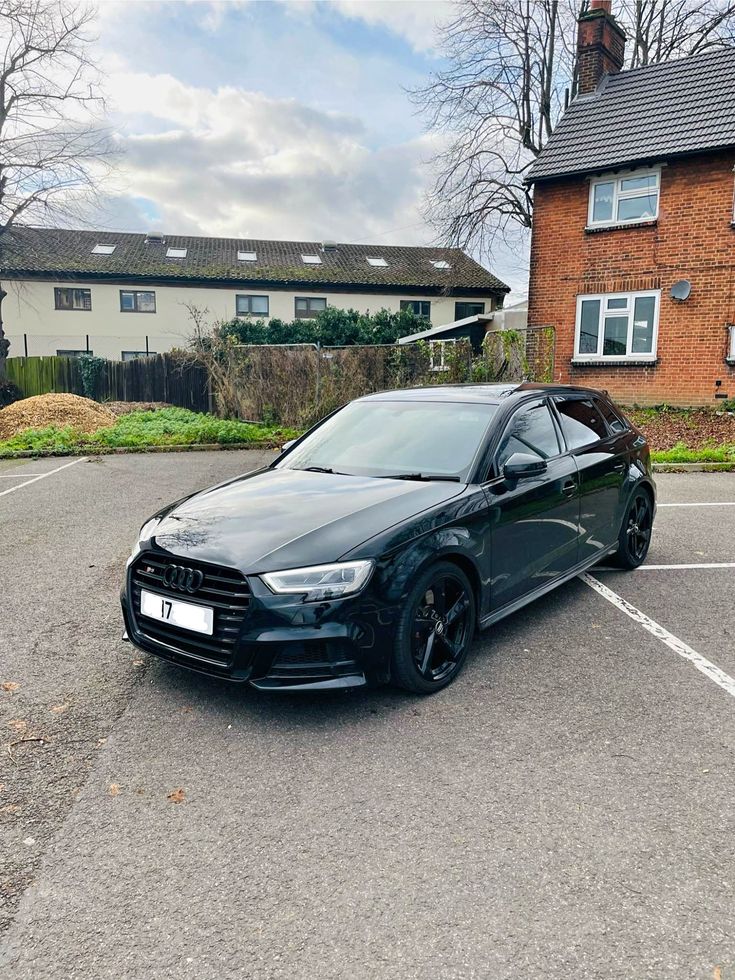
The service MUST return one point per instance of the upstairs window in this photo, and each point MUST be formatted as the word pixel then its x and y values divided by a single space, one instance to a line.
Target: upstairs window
pixel 251 305
pixel 421 307
pixel 247 256
pixel 175 253
pixel 137 301
pixel 311 260
pixel 618 326
pixel 66 298
pixel 307 307
pixel 628 199
pixel 103 249
pixel 463 310
pixel 377 262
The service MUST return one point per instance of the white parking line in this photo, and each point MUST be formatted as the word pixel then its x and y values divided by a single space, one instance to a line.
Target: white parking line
pixel 709 503
pixel 662 568
pixel 42 476
pixel 683 649
pixel 18 476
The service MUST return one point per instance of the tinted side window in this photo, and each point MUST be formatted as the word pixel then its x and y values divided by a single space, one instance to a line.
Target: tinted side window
pixel 530 431
pixel 614 421
pixel 581 421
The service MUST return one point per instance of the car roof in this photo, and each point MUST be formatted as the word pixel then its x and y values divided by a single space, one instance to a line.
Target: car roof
pixel 488 393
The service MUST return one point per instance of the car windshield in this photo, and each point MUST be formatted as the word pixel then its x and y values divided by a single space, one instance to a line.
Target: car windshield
pixel 420 439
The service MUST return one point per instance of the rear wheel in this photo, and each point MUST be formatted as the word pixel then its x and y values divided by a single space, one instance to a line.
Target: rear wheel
pixel 635 534
pixel 435 630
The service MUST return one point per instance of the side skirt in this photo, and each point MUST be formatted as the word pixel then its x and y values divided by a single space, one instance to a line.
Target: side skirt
pixel 517 604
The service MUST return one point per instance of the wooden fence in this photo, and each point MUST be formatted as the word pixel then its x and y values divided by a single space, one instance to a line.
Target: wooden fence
pixel 162 378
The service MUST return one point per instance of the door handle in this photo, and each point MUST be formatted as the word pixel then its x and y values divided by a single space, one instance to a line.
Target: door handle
pixel 619 467
pixel 569 488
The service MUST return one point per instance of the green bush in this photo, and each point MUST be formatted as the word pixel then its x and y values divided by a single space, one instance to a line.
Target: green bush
pixel 330 328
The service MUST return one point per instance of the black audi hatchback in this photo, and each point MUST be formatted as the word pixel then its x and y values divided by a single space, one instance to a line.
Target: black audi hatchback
pixel 374 547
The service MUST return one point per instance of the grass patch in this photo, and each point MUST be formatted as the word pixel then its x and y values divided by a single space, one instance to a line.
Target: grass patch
pixel 681 453
pixel 140 430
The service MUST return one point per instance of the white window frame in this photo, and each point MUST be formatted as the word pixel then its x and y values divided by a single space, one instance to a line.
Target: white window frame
pixel 731 355
pixel 598 356
pixel 439 347
pixel 619 195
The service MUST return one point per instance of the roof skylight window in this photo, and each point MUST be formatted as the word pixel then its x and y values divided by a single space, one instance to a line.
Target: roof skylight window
pixel 247 256
pixel 311 259
pixel 103 249
pixel 440 264
pixel 176 253
pixel 379 263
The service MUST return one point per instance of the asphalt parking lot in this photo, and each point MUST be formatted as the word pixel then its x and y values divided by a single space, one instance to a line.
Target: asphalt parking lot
pixel 564 810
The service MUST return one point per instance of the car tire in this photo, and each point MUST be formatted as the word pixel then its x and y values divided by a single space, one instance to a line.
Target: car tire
pixel 634 539
pixel 435 630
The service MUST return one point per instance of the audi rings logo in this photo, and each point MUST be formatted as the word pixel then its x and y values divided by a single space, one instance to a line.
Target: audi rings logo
pixel 183 579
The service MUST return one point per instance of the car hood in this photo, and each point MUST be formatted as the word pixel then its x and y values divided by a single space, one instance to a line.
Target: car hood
pixel 281 518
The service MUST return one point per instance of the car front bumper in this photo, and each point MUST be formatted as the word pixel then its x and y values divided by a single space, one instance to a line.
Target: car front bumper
pixel 279 642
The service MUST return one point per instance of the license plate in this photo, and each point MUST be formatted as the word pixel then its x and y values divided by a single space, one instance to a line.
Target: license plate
pixel 185 615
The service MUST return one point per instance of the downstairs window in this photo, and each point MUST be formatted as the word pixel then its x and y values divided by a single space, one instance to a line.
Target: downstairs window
pixel 617 326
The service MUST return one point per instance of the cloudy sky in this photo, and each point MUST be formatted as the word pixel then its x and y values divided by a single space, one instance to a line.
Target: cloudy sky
pixel 272 119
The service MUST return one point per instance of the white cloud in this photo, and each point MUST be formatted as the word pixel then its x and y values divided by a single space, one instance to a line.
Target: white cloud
pixel 413 20
pixel 233 162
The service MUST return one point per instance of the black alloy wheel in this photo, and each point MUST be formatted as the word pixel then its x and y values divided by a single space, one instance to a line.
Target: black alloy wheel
pixel 436 629
pixel 635 534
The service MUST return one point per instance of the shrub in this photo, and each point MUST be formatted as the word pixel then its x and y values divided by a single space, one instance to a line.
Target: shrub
pixel 330 328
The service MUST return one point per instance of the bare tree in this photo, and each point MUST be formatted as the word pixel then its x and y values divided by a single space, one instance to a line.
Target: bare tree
pixel 511 70
pixel 51 142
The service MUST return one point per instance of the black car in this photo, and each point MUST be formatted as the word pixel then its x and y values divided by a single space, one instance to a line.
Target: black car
pixel 376 544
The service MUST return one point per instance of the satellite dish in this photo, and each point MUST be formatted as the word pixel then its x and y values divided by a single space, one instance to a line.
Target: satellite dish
pixel 681 290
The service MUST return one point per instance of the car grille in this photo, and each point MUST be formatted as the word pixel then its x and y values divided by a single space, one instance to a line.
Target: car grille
pixel 312 661
pixel 224 589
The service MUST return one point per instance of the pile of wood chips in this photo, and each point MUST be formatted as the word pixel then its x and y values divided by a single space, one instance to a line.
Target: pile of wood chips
pixel 62 411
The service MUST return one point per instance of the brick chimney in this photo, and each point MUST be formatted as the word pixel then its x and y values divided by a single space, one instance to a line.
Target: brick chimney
pixel 600 46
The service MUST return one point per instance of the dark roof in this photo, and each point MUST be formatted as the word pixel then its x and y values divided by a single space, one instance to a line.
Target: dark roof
pixel 63 254
pixel 651 113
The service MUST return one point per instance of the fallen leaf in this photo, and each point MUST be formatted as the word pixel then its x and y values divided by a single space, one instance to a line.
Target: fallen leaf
pixel 140 792
pixel 114 789
pixel 59 708
pixel 11 808
pixel 138 663
pixel 18 724
pixel 9 686
pixel 100 742
pixel 177 796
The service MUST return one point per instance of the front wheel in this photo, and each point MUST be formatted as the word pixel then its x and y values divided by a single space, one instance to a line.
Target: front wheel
pixel 435 630
pixel 635 534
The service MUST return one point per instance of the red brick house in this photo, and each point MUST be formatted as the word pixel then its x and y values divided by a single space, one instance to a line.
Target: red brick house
pixel 633 243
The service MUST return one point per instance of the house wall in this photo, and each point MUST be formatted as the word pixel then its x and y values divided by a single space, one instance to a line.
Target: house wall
pixel 693 239
pixel 29 310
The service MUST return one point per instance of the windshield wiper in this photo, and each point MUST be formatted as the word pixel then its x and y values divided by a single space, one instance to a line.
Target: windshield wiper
pixel 427 477
pixel 319 469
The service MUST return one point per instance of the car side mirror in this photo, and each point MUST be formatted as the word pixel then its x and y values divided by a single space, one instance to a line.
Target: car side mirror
pixel 287 445
pixel 520 465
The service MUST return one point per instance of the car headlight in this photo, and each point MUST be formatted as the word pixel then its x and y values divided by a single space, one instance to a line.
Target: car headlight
pixel 321 581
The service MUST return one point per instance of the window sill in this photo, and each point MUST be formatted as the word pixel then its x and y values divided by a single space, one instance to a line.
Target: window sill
pixel 730 361
pixel 615 362
pixel 627 225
